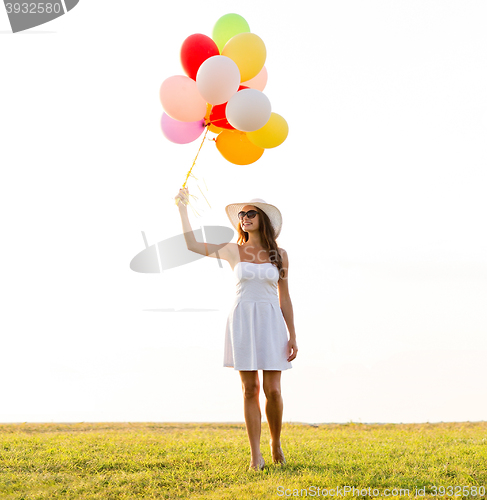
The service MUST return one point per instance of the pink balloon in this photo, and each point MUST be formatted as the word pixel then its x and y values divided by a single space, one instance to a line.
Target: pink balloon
pixel 181 132
pixel 258 82
pixel 181 99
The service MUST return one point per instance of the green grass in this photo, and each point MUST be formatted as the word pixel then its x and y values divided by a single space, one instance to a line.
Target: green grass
pixel 210 460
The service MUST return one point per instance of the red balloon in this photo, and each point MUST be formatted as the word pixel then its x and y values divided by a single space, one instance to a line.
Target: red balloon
pixel 218 116
pixel 196 49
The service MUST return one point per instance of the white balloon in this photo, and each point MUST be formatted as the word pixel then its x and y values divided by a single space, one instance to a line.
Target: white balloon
pixel 218 78
pixel 248 110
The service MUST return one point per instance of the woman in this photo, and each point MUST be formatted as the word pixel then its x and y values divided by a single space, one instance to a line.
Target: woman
pixel 255 337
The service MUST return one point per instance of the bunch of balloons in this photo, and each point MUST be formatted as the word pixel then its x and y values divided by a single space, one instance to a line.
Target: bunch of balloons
pixel 223 91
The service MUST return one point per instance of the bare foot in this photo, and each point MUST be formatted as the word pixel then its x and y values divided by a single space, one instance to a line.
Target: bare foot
pixel 277 453
pixel 258 464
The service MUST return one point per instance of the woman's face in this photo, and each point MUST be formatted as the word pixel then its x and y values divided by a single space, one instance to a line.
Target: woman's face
pixel 249 224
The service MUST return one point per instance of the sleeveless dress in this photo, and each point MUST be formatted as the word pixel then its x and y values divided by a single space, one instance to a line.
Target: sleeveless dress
pixel 256 334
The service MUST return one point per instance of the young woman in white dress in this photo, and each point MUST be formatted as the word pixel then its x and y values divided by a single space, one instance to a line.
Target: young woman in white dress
pixel 258 236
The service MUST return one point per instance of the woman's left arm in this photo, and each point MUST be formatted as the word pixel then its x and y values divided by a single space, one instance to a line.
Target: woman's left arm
pixel 287 306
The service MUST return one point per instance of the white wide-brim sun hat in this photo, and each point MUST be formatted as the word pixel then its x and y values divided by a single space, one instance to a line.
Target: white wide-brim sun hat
pixel 271 211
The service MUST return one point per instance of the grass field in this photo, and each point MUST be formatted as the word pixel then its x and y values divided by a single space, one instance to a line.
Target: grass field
pixel 210 460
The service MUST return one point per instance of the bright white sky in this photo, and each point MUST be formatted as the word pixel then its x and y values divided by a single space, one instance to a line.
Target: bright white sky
pixel 381 184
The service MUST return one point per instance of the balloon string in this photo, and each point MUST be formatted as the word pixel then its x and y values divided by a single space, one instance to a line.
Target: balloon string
pixel 196 157
pixel 215 122
pixel 204 194
pixel 207 125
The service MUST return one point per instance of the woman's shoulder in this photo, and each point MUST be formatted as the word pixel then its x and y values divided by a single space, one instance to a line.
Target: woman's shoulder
pixel 284 256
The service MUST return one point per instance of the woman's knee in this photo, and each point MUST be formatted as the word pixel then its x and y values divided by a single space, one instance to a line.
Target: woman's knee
pixel 272 393
pixel 250 389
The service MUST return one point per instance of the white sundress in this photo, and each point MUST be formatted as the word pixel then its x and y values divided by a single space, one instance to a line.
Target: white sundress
pixel 256 335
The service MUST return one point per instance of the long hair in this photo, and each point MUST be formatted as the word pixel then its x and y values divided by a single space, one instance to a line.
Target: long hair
pixel 267 237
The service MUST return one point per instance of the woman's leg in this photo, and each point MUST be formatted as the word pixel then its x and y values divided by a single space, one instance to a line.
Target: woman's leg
pixel 253 417
pixel 273 410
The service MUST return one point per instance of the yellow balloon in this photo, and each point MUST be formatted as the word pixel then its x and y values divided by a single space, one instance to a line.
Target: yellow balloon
pixel 248 52
pixel 208 111
pixel 272 134
pixel 235 147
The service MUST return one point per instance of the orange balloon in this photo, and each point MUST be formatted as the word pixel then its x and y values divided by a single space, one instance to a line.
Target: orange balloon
pixel 236 148
pixel 215 129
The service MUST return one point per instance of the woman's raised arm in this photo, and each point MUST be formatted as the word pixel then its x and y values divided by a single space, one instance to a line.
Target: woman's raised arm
pixel 222 251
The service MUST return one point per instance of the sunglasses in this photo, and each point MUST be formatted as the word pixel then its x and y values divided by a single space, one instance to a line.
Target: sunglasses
pixel 250 214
